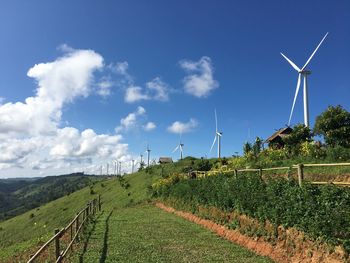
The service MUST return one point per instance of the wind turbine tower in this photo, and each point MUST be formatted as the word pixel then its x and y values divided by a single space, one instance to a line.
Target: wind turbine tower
pixel 303 73
pixel 218 136
pixel 148 154
pixel 179 146
pixel 132 167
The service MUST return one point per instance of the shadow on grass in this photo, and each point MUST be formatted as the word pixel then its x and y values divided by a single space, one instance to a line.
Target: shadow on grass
pixel 105 238
pixel 87 239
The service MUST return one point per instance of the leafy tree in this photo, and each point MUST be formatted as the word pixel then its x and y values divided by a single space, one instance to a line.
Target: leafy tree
pixel 247 148
pixel 334 125
pixel 299 135
pixel 257 146
pixel 142 165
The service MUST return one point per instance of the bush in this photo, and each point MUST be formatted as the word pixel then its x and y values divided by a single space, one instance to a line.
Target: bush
pixel 321 212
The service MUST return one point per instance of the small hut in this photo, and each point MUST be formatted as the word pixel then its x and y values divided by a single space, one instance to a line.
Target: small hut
pixel 275 141
pixel 163 160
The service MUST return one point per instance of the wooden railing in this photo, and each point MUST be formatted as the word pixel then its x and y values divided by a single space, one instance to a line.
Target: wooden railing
pixel 299 167
pixel 69 233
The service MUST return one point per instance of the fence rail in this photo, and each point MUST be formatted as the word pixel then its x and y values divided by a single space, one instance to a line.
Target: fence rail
pixel 72 229
pixel 299 167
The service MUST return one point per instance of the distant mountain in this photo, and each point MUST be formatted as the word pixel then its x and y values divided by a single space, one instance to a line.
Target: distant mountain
pixel 18 195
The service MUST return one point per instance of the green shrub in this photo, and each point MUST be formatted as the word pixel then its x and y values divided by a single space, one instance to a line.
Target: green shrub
pixel 321 212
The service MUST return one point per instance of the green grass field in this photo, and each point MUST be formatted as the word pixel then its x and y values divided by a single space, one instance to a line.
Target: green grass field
pixel 144 233
pixel 136 232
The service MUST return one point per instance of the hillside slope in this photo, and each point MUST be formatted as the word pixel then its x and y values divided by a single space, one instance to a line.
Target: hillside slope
pixel 136 232
pixel 20 195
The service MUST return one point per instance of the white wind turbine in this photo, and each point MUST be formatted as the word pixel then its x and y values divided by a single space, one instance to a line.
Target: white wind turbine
pixel 218 136
pixel 303 73
pixel 148 151
pixel 179 146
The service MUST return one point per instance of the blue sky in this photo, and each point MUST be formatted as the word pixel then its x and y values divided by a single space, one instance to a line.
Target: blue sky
pixel 177 60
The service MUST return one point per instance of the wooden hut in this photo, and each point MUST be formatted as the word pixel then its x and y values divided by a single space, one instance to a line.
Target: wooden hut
pixel 163 160
pixel 275 141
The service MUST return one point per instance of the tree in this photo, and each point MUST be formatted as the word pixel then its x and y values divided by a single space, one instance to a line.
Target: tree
pixel 257 146
pixel 299 135
pixel 247 148
pixel 334 125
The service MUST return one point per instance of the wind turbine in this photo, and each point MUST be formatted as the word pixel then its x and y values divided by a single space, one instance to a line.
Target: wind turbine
pixel 303 73
pixel 218 136
pixel 179 146
pixel 148 154
pixel 132 167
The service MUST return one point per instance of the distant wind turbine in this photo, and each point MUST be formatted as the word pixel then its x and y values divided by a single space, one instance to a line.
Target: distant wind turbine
pixel 302 72
pixel 218 136
pixel 179 146
pixel 148 154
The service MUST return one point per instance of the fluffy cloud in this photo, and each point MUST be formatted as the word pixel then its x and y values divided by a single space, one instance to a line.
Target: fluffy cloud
pixel 149 126
pixel 71 143
pixel 59 82
pixel 155 89
pixel 131 121
pixel 200 81
pixel 104 87
pixel 158 89
pixel 183 127
pixel 29 131
pixel 15 151
pixel 134 94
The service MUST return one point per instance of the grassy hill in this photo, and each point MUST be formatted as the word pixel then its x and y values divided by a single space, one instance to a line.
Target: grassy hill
pixel 160 237
pixel 23 234
pixel 20 195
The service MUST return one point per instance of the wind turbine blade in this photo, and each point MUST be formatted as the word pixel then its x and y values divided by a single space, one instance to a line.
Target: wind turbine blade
pixel 291 62
pixel 177 147
pixel 295 98
pixel 216 122
pixel 211 148
pixel 307 62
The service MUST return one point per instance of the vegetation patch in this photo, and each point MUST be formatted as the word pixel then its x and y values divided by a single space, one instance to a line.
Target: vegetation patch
pixel 320 212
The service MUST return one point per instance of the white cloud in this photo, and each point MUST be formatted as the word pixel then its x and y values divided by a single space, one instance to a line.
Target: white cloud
pixel 158 89
pixel 2 99
pixel 71 143
pixel 149 126
pixel 29 131
pixel 155 89
pixel 104 88
pixel 131 121
pixel 183 127
pixel 134 94
pixel 59 82
pixel 200 81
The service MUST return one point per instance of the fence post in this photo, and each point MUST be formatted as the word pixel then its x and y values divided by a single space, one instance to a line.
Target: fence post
pixel 57 244
pixel 77 226
pixel 235 173
pixel 260 173
pixel 300 174
pixel 99 203
pixel 71 232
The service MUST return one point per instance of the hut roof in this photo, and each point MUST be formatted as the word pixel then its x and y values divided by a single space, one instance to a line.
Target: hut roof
pixel 165 160
pixel 280 133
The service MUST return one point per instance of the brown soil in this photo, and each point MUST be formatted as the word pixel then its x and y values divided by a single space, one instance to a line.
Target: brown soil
pixel 290 247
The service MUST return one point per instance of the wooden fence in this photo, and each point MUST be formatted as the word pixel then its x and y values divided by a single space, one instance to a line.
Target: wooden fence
pixel 299 167
pixel 70 234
